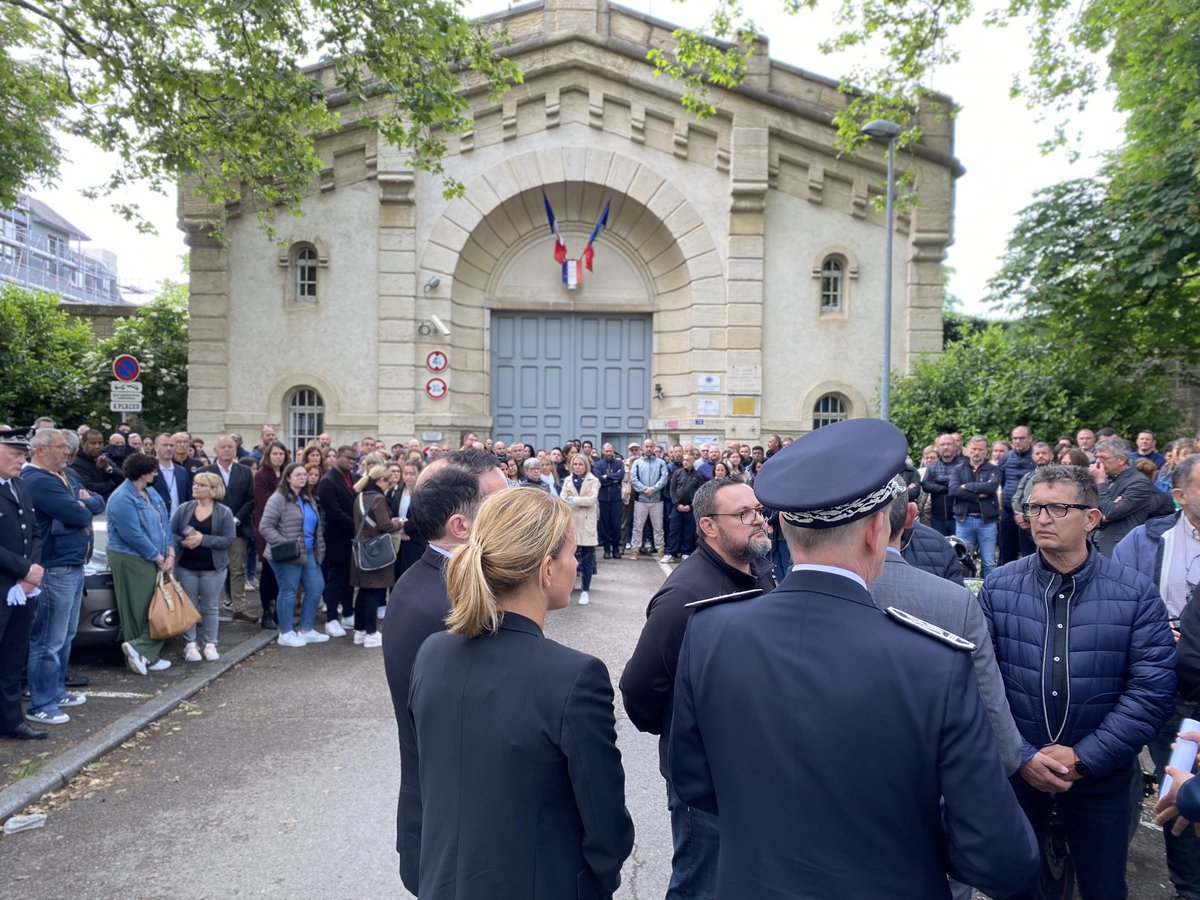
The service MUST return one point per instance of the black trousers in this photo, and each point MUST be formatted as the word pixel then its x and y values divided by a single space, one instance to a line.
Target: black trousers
pixel 1008 537
pixel 15 624
pixel 339 596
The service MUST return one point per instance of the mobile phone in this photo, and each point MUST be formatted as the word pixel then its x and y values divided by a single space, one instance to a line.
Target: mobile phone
pixel 188 530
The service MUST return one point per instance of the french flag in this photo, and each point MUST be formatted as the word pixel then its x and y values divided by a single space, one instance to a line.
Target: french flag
pixel 600 226
pixel 560 246
pixel 572 273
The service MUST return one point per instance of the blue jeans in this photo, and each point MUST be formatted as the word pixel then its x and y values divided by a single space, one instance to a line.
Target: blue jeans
pixel 944 527
pixel 696 837
pixel 54 625
pixel 290 576
pixel 982 536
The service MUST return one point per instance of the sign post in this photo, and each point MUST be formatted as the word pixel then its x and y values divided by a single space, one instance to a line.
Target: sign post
pixel 125 394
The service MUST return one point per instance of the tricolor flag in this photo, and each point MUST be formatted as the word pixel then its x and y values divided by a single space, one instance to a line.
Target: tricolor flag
pixel 600 226
pixel 572 273
pixel 560 246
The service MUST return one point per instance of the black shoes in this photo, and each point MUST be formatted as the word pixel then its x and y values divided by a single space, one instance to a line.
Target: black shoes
pixel 268 620
pixel 25 732
pixel 75 680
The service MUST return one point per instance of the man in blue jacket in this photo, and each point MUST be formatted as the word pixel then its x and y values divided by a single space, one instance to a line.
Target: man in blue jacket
pixel 66 523
pixel 609 469
pixel 1088 663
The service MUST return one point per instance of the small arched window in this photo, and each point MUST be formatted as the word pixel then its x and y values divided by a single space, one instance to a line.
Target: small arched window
pixel 833 285
pixel 305 418
pixel 304 273
pixel 829 409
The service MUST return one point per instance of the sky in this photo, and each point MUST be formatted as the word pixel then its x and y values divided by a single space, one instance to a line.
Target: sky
pixel 996 139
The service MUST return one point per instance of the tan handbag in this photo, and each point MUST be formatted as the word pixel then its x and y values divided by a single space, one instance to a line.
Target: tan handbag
pixel 171 609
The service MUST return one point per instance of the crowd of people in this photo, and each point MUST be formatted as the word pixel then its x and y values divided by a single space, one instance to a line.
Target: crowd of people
pixel 1026 705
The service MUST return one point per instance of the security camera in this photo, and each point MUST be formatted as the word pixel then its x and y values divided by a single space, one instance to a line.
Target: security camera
pixel 440 326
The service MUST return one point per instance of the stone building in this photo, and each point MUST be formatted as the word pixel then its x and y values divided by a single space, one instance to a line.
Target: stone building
pixel 736 291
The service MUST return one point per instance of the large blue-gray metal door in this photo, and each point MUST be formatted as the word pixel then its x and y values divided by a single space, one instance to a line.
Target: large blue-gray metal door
pixel 556 377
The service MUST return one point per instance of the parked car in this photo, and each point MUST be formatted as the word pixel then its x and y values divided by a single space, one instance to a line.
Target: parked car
pixel 98 620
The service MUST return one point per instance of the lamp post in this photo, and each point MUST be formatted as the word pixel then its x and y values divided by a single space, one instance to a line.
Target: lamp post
pixel 881 128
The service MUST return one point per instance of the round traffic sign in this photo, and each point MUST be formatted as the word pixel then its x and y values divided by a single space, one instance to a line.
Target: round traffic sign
pixel 437 361
pixel 126 368
pixel 436 388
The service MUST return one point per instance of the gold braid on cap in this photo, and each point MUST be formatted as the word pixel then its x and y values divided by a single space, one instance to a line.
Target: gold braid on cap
pixel 847 512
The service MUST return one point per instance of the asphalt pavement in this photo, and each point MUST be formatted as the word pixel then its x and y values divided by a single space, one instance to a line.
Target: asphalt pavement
pixel 273 773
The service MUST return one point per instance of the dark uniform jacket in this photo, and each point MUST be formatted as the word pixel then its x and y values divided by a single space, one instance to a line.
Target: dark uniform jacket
pixel 417 609
pixel 20 548
pixel 847 755
pixel 648 682
pixel 523 790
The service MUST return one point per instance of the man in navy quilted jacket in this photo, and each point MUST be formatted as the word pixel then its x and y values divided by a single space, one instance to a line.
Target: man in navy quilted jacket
pixel 1088 662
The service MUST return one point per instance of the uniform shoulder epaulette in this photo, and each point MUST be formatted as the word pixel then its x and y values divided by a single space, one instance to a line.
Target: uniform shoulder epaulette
pixel 928 628
pixel 724 598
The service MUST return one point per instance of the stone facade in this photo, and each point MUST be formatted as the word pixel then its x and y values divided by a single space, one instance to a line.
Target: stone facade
pixel 722 229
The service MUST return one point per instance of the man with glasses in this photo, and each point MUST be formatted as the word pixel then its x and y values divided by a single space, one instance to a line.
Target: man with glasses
pixel 1088 662
pixel 1167 551
pixel 1014 465
pixel 733 539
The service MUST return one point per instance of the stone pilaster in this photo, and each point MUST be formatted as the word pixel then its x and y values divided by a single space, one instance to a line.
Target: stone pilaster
pixel 208 309
pixel 397 292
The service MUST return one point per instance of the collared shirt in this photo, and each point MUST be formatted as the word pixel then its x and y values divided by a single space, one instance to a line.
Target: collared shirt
pixel 6 482
pixel 832 570
pixel 168 475
pixel 445 553
pixel 225 473
pixel 1184 571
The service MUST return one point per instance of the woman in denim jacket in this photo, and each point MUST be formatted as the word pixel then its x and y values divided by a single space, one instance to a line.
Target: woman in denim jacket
pixel 139 547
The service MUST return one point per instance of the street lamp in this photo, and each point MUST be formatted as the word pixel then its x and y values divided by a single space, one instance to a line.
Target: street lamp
pixel 881 128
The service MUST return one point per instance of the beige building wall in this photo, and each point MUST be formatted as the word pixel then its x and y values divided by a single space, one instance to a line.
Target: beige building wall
pixel 719 229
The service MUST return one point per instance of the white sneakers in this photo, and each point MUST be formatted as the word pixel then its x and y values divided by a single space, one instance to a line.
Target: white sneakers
pixel 373 640
pixel 313 637
pixel 191 653
pixel 359 636
pixel 291 639
pixel 348 622
pixel 584 599
pixel 334 628
pixel 210 652
pixel 134 660
pixel 161 666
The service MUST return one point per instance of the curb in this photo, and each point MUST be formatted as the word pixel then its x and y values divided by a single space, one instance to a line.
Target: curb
pixel 60 770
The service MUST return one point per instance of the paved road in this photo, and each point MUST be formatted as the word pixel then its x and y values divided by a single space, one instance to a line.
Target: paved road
pixel 280 780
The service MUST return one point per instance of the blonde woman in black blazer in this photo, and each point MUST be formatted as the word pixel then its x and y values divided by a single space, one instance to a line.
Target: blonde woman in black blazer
pixel 523 794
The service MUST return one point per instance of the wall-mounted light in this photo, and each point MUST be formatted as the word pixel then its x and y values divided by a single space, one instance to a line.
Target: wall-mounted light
pixel 432 283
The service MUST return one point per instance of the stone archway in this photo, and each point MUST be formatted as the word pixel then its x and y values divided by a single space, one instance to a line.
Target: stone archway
pixel 492 250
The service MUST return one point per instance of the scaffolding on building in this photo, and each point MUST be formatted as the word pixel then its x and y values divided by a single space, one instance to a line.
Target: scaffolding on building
pixel 41 259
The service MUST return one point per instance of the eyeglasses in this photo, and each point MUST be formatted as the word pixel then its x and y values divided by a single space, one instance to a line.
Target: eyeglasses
pixel 1056 510
pixel 748 516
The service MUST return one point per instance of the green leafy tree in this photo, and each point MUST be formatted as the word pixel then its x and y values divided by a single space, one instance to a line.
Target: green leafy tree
pixel 217 91
pixel 157 335
pixel 43 350
pixel 1007 374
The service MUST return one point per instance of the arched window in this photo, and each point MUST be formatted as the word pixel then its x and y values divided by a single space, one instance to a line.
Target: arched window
pixel 304 273
pixel 833 285
pixel 829 409
pixel 305 418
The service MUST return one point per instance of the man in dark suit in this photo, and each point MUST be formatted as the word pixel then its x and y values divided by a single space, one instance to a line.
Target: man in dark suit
pixel 445 499
pixel 336 493
pixel 20 551
pixel 734 539
pixel 174 482
pixel 846 750
pixel 239 497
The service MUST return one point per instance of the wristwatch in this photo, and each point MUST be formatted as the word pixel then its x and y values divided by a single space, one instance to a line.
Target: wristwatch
pixel 1081 768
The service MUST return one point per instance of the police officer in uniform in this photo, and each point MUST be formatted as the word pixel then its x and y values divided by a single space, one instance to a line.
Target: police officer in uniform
pixel 20 574
pixel 845 750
